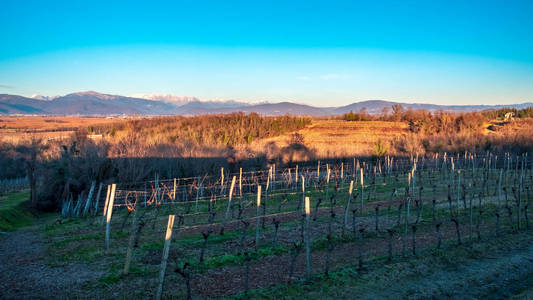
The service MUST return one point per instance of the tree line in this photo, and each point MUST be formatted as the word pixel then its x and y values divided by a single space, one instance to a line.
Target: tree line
pixel 439 122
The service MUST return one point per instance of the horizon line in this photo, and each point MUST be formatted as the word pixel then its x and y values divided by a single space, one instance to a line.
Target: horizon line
pixel 250 102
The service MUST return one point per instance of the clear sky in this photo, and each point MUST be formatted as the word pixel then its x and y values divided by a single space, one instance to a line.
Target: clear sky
pixel 317 52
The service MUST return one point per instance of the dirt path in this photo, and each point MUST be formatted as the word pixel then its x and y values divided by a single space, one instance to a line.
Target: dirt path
pixel 25 274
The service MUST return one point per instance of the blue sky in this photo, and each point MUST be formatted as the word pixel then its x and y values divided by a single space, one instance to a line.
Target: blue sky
pixel 316 52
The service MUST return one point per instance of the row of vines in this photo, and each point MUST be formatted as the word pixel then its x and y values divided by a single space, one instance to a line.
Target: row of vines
pixel 226 234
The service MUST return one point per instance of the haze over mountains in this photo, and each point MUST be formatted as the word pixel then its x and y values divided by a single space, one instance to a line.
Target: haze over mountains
pixel 93 103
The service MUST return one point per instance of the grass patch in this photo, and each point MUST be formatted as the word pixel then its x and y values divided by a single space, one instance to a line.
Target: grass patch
pixel 109 279
pixel 13 211
pixel 348 282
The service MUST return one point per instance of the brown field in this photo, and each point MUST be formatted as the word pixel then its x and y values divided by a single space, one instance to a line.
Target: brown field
pixel 339 138
pixel 43 123
pixel 14 128
pixel 519 126
pixel 326 138
pixel 333 138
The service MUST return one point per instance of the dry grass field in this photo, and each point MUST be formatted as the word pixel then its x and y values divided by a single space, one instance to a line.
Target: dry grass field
pixel 337 138
pixel 518 126
pixel 14 128
pixel 326 138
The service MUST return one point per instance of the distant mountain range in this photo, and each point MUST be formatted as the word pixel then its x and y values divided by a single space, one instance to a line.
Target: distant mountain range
pixel 93 103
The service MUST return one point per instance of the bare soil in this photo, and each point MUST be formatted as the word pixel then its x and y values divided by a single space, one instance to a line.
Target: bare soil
pixel 494 269
pixel 24 273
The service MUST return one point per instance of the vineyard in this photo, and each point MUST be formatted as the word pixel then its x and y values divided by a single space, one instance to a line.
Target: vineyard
pixel 232 235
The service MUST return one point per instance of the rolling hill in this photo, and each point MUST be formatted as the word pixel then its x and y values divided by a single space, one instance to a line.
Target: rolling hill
pixel 93 103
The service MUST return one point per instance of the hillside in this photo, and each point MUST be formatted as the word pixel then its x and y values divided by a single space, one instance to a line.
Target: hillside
pixel 93 103
pixel 335 138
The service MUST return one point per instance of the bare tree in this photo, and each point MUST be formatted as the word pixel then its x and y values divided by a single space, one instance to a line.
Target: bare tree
pixel 31 153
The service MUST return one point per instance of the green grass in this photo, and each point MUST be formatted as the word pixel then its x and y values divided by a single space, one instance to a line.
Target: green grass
pixel 236 259
pixel 82 239
pixel 110 278
pixel 348 281
pixel 13 211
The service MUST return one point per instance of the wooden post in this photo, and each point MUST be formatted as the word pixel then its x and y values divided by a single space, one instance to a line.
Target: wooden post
pixel 470 231
pixel 241 209
pixel 414 176
pixel 174 191
pixel 240 182
pixel 353 169
pixel 198 184
pixel 156 183
pixel 168 238
pixel 273 181
pixel 362 189
pixel 258 217
pixel 348 205
pixel 307 241
pixel 500 189
pixel 109 214
pixel 89 197
pixel 268 180
pixel 407 215
pixel 519 206
pixel 303 190
pixel 76 210
pixel 131 243
pixel 408 197
pixel 318 171
pixel 458 188
pixel 144 195
pixel 98 198
pixel 268 183
pixel 106 203
pixel 289 181
pixel 221 179
pixel 453 165
pixel 327 182
pixel 230 195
